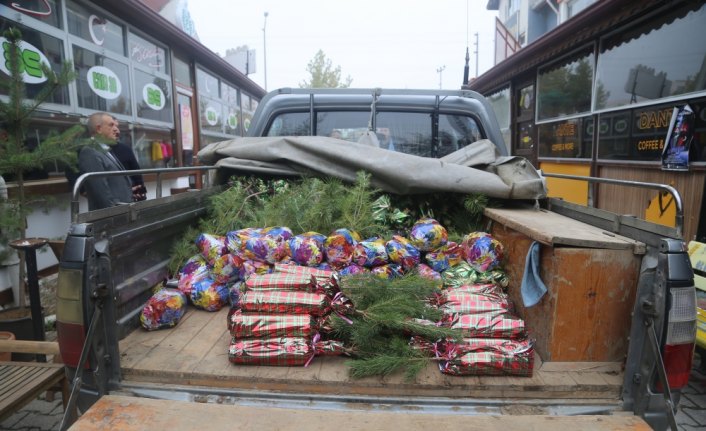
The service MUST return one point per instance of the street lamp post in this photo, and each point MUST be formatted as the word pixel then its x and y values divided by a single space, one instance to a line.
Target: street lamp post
pixel 439 70
pixel 264 47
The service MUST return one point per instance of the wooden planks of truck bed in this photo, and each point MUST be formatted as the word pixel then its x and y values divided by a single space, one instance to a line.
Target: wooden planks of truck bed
pixel 195 352
pixel 132 414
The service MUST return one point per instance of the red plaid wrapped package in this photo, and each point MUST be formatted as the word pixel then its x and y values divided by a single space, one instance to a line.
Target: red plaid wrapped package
pixel 451 302
pixel 281 281
pixel 482 288
pixel 256 325
pixel 488 325
pixel 327 280
pixel 285 301
pixel 488 357
pixel 281 351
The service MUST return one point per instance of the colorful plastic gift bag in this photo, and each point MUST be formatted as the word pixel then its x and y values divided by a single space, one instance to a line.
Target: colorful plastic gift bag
pixel 234 292
pixel 264 248
pixel 370 253
pixel 306 250
pixel 482 251
pixel 463 273
pixel 427 234
pixel 427 272
pixel 402 252
pixel 163 310
pixel 227 268
pixel 352 269
pixel 351 235
pixel 338 249
pixel 193 270
pixel 389 271
pixel 280 233
pixel 235 240
pixel 251 267
pixel 442 258
pixel 208 295
pixel 211 246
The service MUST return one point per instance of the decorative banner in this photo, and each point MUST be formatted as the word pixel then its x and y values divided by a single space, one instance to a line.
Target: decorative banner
pixel 153 96
pixel 187 129
pixel 675 155
pixel 104 82
pixel 31 61
pixel 211 116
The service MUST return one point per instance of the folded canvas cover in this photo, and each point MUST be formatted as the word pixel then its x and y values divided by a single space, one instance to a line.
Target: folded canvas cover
pixel 473 169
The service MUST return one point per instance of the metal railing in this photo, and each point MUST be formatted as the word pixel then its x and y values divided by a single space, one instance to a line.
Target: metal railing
pixel 158 171
pixel 679 217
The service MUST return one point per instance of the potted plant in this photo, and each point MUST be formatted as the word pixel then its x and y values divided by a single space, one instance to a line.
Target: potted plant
pixel 16 158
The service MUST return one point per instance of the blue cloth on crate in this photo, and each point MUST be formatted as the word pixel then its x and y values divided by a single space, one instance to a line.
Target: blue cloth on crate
pixel 532 287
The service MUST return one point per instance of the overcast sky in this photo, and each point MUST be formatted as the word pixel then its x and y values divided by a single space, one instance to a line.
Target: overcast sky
pixel 378 43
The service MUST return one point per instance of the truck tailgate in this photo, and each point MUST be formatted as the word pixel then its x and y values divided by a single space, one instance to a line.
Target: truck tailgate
pixel 114 412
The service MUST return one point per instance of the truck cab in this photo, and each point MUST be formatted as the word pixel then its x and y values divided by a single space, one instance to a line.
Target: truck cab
pixel 425 123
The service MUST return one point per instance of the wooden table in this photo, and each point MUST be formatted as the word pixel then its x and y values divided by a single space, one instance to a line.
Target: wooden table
pixel 22 382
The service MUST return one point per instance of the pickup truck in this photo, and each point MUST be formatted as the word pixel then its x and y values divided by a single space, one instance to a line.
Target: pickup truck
pixel 614 334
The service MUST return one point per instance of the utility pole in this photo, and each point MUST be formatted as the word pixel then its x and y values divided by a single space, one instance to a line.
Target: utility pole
pixel 439 70
pixel 476 53
pixel 264 46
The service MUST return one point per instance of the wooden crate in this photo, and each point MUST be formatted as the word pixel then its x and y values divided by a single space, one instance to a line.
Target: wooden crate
pixel 591 278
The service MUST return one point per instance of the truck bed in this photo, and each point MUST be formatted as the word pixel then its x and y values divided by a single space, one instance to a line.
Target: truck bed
pixel 195 353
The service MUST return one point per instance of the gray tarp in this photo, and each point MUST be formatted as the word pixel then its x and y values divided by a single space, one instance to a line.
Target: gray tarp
pixel 473 169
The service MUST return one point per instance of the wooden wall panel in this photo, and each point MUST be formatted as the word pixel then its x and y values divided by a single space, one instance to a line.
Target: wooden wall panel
pixel 630 200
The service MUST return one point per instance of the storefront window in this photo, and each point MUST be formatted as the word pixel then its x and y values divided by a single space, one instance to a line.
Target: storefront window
pixel 565 89
pixel 566 139
pixel 47 11
pixel 147 54
pixel 37 48
pixel 247 111
pixel 182 73
pixel 670 60
pixel 154 149
pixel 153 96
pixel 211 115
pixel 95 27
pixel 524 111
pixel 500 101
pixel 208 85
pixel 102 83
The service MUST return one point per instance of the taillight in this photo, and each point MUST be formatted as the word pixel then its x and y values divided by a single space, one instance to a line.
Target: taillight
pixel 681 333
pixel 70 329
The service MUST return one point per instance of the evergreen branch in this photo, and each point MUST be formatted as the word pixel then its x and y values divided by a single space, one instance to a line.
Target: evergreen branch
pixel 385 365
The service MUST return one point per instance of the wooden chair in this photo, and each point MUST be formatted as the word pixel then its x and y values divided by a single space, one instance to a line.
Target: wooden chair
pixel 22 382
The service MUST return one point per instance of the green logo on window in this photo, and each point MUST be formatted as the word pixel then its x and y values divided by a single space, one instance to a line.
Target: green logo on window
pixel 30 61
pixel 104 82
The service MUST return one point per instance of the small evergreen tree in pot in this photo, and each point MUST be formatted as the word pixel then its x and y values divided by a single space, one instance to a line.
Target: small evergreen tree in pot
pixel 16 112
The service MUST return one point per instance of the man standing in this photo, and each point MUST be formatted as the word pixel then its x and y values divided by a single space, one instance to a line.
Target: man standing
pixel 103 192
